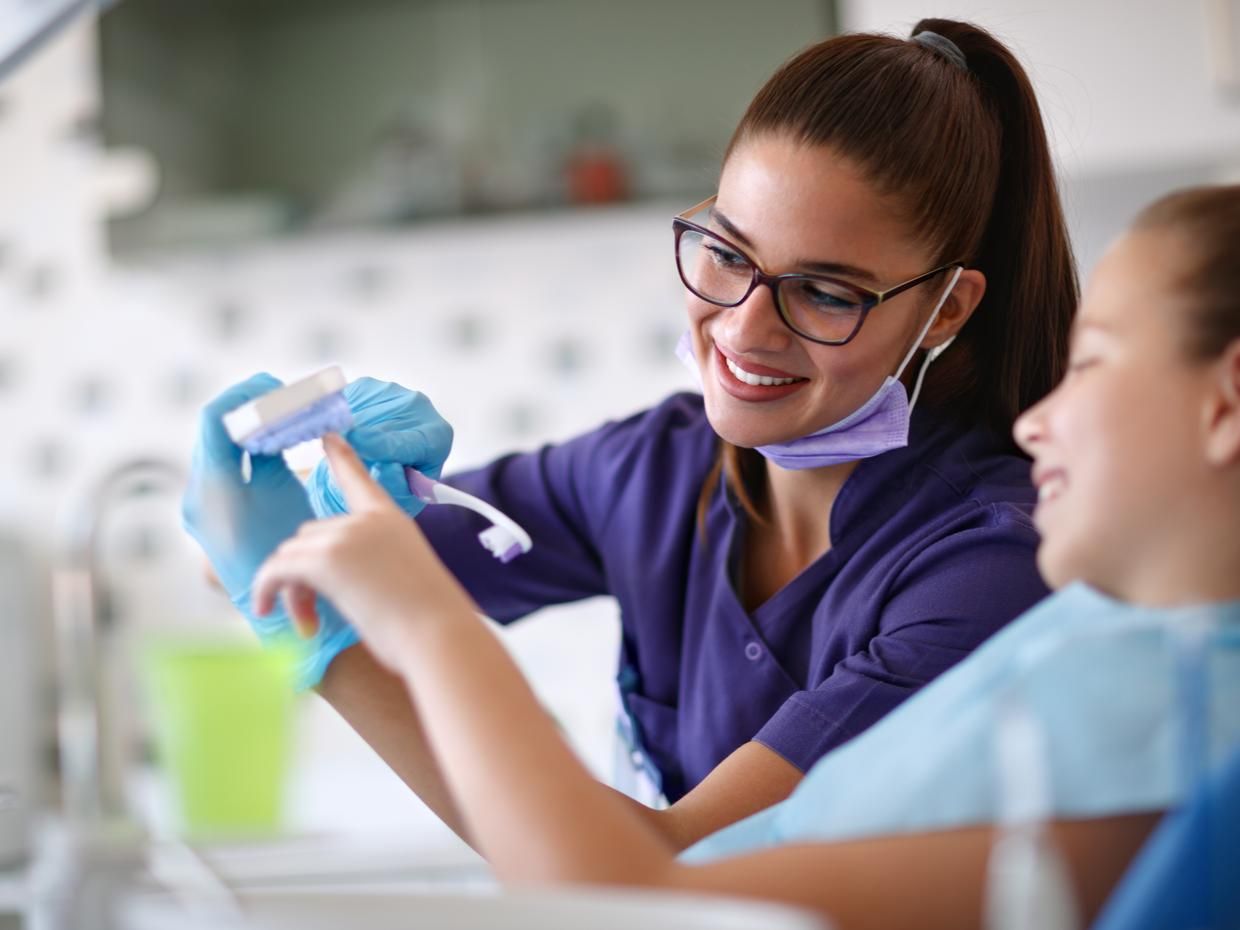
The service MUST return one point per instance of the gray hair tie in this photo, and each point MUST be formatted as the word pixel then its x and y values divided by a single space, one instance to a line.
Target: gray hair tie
pixel 944 46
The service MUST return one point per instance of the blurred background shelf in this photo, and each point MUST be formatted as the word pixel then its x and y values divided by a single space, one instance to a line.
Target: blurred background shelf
pixel 272 114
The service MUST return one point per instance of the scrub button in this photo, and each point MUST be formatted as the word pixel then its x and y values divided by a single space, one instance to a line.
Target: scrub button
pixel 753 652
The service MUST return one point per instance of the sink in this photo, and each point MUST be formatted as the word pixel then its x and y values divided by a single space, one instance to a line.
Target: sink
pixel 305 885
pixel 312 884
pixel 309 863
pixel 602 909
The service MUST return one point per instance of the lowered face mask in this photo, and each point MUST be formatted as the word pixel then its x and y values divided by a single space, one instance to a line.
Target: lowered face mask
pixel 877 426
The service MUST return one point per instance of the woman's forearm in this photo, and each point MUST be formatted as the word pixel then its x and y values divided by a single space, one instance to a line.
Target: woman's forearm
pixel 378 706
pixel 531 807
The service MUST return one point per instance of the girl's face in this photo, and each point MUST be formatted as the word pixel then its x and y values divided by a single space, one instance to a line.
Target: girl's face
pixel 1117 446
pixel 798 208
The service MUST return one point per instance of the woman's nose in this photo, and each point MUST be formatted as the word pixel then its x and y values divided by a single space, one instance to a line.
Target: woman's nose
pixel 754 323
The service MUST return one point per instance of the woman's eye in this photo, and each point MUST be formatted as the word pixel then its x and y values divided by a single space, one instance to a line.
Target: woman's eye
pixel 722 255
pixel 825 300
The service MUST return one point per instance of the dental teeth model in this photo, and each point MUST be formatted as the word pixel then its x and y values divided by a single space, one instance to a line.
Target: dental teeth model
pixel 297 412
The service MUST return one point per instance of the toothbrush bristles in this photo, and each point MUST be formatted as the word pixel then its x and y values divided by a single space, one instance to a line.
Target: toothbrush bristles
pixel 499 543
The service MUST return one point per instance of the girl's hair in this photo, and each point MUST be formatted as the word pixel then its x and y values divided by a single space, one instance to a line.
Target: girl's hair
pixel 964 151
pixel 1208 221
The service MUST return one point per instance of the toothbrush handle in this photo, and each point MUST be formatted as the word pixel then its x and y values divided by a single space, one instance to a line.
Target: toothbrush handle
pixel 420 486
pixel 433 492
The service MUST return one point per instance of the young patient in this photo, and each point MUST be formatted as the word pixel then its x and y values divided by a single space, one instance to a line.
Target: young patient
pixel 1137 461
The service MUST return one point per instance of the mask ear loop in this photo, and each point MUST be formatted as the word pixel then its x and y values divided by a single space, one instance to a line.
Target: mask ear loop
pixel 938 350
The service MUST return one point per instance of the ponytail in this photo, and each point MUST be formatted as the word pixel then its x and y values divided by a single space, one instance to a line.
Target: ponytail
pixel 1017 341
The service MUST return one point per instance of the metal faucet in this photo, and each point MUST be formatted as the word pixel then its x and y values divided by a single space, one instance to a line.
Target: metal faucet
pixel 93 757
pixel 103 846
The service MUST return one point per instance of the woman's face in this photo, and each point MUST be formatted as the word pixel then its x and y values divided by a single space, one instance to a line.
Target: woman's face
pixel 798 208
pixel 1117 445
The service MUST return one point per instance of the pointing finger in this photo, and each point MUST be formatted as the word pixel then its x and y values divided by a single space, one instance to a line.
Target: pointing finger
pixel 361 492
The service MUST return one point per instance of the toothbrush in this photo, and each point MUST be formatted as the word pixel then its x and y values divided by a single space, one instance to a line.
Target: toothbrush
pixel 313 406
pixel 504 539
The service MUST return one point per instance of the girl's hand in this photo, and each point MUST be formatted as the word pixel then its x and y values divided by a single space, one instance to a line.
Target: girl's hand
pixel 373 564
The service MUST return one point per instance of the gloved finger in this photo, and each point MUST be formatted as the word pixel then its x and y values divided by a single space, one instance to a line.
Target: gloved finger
pixel 438 434
pixel 213 509
pixel 270 469
pixel 391 478
pixel 215 448
pixel 325 497
pixel 424 447
pixel 370 397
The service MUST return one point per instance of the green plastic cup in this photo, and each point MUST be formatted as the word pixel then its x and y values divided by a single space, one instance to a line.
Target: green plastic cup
pixel 223 719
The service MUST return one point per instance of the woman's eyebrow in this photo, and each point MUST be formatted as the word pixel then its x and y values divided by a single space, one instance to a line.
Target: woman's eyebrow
pixel 729 227
pixel 827 268
pixel 838 268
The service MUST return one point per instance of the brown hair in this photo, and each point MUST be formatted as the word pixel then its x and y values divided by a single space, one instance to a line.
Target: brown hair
pixel 964 150
pixel 1208 219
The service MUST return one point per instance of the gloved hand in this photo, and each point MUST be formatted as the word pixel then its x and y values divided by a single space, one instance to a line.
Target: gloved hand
pixel 239 524
pixel 393 427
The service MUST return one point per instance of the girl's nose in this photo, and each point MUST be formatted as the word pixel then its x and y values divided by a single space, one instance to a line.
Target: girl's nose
pixel 1029 430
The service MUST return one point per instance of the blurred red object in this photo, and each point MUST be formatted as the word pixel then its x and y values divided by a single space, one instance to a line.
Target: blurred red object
pixel 596 174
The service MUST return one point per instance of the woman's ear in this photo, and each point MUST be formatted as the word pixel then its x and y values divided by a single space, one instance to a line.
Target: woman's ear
pixel 957 309
pixel 1222 411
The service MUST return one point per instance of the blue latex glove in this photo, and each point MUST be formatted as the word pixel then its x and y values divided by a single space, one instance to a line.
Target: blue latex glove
pixel 239 524
pixel 393 427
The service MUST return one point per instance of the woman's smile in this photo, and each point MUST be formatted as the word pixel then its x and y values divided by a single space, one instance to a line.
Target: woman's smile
pixel 748 381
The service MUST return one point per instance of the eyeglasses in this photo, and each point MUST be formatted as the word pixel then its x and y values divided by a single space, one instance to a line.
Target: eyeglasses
pixel 816 307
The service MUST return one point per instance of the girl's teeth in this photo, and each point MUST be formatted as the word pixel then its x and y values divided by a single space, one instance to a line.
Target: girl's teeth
pixel 1049 489
pixel 742 375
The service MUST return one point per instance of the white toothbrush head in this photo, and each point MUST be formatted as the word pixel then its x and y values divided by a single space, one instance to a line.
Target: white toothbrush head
pixel 502 544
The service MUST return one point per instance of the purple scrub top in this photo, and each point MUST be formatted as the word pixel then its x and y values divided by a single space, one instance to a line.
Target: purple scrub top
pixel 932 551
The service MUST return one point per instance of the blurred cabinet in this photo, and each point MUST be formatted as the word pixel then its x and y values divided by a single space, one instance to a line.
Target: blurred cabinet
pixel 278 114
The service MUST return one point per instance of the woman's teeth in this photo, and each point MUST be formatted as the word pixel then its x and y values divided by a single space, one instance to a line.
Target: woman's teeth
pixel 742 375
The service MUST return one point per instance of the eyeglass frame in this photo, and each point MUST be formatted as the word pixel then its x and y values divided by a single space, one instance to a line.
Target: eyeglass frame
pixel 870 298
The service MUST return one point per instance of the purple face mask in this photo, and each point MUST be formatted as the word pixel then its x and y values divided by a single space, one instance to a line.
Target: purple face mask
pixel 877 426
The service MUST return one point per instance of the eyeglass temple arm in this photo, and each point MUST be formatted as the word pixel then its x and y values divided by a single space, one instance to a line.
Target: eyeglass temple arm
pixel 901 288
pixel 694 209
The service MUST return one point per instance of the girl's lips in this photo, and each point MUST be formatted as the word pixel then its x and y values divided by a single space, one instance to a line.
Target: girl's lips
pixel 1050 483
pixel 751 393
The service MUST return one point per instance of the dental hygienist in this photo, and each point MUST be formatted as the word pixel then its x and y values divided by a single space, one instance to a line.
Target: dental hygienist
pixel 800 548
